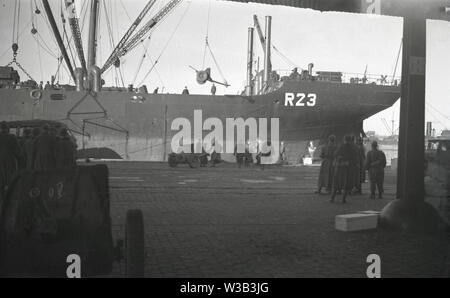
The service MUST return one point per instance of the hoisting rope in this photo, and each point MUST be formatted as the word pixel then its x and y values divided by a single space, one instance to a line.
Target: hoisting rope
pixel 207 34
pixel 216 63
pixel 167 43
pixel 208 46
pixel 15 39
pixel 285 59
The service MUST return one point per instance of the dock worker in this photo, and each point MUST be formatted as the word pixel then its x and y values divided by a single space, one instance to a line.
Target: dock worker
pixel 326 168
pixel 185 91
pixel 9 157
pixel 213 89
pixel 44 150
pixel 375 164
pixel 342 177
pixel 66 150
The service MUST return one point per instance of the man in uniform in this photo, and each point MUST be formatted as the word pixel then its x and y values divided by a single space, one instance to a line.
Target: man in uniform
pixel 66 150
pixel 326 168
pixel 375 164
pixel 9 157
pixel 342 178
pixel 360 176
pixel 44 150
pixel 239 153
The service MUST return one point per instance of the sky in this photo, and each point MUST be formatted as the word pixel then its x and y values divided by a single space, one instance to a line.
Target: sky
pixel 332 41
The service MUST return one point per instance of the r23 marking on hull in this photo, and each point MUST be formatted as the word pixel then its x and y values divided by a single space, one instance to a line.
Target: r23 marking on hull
pixel 300 99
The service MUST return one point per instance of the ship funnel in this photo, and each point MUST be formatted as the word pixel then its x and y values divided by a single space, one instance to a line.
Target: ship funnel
pixel 79 79
pixel 310 68
pixel 96 80
pixel 267 51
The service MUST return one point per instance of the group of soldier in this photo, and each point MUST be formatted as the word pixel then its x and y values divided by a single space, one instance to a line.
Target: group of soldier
pixel 343 168
pixel 40 148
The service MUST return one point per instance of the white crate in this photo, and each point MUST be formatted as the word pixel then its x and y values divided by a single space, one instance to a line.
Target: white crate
pixel 356 222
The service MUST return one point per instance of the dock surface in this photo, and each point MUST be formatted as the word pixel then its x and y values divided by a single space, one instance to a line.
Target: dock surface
pixel 230 222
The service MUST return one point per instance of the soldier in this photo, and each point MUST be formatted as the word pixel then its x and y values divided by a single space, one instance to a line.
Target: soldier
pixel 375 164
pixel 9 157
pixel 342 178
pixel 360 165
pixel 66 150
pixel 44 151
pixel 326 168
pixel 239 153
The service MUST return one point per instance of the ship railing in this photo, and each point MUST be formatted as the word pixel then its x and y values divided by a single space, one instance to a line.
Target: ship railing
pixel 348 78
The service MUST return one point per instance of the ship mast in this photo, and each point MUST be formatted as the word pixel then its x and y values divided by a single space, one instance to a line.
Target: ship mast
pixel 92 42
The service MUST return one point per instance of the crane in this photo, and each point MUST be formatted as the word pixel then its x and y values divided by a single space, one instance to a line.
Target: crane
pixel 114 55
pixel 76 32
pixel 262 39
pixel 129 43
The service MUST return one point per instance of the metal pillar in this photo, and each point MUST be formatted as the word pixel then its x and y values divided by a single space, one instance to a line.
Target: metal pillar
pixel 249 91
pixel 268 44
pixel 410 211
pixel 92 44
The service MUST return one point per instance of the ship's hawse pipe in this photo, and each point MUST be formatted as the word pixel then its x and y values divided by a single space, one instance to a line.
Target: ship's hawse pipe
pixel 249 90
pixel 267 52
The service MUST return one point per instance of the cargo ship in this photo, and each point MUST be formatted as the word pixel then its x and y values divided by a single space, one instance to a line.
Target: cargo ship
pixel 310 105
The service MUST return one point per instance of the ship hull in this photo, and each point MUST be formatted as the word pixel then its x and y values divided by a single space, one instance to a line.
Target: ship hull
pixel 339 109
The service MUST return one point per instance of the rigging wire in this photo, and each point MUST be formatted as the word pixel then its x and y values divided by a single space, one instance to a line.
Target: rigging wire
pixel 285 58
pixel 20 34
pixel 167 43
pixel 436 110
pixel 207 34
pixel 436 118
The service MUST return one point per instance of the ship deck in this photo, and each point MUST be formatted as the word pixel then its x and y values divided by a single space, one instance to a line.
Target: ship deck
pixel 230 222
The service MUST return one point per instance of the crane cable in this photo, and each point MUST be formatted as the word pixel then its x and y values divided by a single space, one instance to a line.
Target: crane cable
pixel 207 34
pixel 15 39
pixel 208 46
pixel 285 59
pixel 167 43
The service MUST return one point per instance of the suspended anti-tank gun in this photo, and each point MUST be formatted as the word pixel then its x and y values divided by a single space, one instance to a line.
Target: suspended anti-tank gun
pixel 204 76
